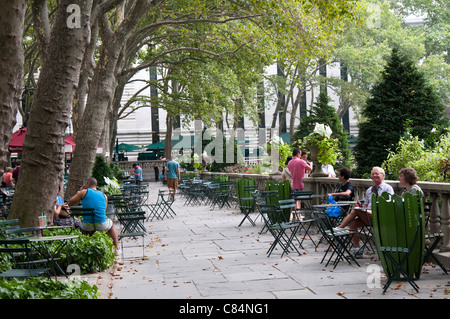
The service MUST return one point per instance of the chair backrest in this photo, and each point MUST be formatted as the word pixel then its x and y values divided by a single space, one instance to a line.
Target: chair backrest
pixel 323 223
pixel 14 246
pixel 269 213
pixel 298 193
pixel 22 232
pixel 8 224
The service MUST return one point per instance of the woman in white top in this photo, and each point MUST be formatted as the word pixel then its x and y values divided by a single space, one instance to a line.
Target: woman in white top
pixel 286 174
pixel 329 170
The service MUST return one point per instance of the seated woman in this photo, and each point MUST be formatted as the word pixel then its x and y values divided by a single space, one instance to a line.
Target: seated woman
pixel 408 178
pixel 61 216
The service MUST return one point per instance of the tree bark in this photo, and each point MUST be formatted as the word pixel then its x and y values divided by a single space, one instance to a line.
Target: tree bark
pixel 43 149
pixel 12 17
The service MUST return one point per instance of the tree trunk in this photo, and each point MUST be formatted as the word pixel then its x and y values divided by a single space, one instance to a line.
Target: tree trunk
pixel 92 124
pixel 43 149
pixel 12 17
pixel 168 140
pixel 101 93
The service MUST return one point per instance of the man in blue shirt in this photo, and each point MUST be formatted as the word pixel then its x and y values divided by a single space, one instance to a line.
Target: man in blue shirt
pixel 172 175
pixel 90 197
pixel 137 174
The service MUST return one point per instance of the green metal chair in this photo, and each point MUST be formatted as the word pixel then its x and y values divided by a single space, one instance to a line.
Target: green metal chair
pixel 339 241
pixel 23 257
pixel 283 232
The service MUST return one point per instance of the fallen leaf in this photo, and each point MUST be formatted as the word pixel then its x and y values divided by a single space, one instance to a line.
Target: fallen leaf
pixel 398 287
pixel 340 293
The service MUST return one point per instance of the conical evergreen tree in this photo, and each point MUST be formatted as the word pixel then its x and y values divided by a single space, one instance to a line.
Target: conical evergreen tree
pixel 401 99
pixel 324 113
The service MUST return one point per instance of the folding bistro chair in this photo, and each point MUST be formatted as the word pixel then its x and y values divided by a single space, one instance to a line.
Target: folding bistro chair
pixel 388 253
pixel 339 241
pixel 194 194
pixel 84 212
pixel 367 237
pixel 23 257
pixel 283 232
pixel 304 224
pixel 132 226
pixel 247 203
pixel 6 225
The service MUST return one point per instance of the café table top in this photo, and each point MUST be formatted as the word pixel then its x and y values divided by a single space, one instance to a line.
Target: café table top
pixel 325 206
pixel 51 238
pixel 307 196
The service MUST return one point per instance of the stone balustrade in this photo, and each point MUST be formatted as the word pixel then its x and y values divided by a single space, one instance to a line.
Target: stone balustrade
pixel 437 193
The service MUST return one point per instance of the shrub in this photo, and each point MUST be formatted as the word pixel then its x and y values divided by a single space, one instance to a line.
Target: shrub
pixel 430 163
pixel 90 253
pixel 101 169
pixel 43 288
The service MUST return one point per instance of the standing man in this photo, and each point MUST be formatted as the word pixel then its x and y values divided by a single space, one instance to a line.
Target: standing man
pixel 15 173
pixel 156 168
pixel 137 173
pixel 297 166
pixel 90 197
pixel 172 175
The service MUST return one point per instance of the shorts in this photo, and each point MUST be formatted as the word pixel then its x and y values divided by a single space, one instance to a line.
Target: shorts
pixel 105 226
pixel 172 183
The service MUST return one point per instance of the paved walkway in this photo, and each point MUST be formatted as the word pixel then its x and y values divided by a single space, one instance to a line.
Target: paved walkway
pixel 201 253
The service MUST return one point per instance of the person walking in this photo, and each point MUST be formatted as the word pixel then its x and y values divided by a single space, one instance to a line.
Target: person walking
pixel 173 175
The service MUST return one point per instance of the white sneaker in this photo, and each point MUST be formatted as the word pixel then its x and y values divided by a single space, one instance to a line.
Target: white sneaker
pixel 118 252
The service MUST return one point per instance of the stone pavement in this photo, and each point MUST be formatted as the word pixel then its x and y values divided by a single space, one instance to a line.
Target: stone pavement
pixel 203 254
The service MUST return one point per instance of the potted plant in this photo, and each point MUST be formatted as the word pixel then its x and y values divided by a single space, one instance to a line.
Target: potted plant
pixel 323 148
pixel 112 187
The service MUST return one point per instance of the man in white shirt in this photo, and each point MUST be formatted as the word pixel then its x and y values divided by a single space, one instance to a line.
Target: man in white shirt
pixel 357 217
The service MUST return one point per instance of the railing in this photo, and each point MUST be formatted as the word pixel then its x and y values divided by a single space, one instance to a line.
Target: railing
pixel 437 193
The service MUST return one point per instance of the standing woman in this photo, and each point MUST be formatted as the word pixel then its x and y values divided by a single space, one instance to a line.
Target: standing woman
pixel 286 174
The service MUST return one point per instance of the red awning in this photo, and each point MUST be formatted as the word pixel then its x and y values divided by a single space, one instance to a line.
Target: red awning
pixel 15 146
pixel 16 143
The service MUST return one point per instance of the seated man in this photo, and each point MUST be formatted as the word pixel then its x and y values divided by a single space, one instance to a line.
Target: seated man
pixel 357 217
pixel 90 197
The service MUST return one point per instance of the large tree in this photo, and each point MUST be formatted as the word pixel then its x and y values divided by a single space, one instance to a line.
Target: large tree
pixel 102 88
pixel 62 47
pixel 12 16
pixel 401 99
